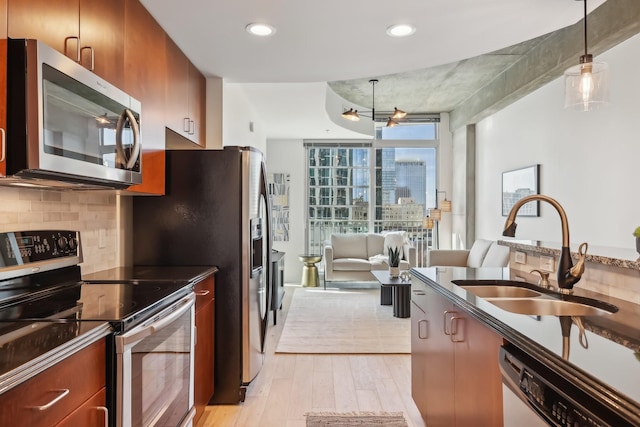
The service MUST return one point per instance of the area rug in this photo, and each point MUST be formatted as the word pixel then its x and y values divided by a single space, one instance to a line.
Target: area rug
pixel 343 321
pixel 322 419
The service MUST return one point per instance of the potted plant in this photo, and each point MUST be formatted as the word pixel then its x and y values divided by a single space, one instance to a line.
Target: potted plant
pixel 636 233
pixel 394 262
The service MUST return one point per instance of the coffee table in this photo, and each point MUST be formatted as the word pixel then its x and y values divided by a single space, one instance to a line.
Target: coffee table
pixel 401 292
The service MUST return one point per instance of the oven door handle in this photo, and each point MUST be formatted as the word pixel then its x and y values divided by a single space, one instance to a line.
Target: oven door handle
pixel 144 331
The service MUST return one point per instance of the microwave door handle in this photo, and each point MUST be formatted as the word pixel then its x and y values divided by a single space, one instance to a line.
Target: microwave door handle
pixel 135 150
pixel 126 339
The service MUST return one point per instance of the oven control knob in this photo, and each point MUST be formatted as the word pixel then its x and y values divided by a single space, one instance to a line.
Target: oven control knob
pixel 73 243
pixel 62 242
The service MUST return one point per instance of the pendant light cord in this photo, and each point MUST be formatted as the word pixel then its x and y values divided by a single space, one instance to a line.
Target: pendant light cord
pixel 585 28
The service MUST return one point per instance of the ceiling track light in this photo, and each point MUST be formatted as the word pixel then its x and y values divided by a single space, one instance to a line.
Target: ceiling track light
pixel 393 120
pixel 586 86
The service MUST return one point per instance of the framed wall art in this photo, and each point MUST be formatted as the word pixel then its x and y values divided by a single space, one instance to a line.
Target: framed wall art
pixel 517 184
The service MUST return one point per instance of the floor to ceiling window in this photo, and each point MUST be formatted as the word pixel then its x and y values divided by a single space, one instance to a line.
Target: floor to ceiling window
pixel 360 187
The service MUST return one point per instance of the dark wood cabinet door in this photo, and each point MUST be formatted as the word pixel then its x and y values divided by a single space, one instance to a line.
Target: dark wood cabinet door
pixel 102 39
pixel 420 330
pixel 51 21
pixel 203 365
pixel 197 105
pixel 145 76
pixel 58 391
pixel 92 413
pixel 177 90
pixel 439 370
pixel 478 382
pixel 3 87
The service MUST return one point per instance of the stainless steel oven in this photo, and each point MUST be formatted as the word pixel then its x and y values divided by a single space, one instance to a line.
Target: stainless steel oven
pixel 66 124
pixel 154 365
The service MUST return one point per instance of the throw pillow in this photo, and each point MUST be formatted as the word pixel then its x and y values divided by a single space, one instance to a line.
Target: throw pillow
pixel 394 240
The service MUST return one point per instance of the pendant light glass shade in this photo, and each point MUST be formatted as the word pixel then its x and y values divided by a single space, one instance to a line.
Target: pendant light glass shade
pixel 586 86
pixel 445 205
pixel 435 214
pixel 391 123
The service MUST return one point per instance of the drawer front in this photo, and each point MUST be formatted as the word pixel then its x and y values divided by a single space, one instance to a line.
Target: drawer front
pixel 92 413
pixel 204 290
pixel 47 398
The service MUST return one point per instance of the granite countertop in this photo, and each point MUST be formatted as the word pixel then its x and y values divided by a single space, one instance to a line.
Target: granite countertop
pixel 609 367
pixel 616 257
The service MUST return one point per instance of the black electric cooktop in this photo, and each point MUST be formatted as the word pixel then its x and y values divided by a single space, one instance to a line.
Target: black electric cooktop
pixel 44 302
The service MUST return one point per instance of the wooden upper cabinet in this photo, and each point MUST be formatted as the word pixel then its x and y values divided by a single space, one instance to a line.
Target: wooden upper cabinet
pixel 3 87
pixel 186 94
pixel 197 105
pixel 88 31
pixel 145 66
pixel 54 22
pixel 102 39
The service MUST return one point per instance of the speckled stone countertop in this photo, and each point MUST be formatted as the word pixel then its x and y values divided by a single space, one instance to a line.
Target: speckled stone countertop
pixel 615 257
pixel 609 368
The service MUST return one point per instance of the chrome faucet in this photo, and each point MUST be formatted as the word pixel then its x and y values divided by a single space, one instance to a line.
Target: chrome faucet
pixel 568 274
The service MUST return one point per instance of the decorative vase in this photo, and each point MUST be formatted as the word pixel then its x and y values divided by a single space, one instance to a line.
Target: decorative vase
pixel 394 272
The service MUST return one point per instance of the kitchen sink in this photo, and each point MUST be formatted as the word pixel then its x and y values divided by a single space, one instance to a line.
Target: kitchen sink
pixel 526 298
pixel 501 291
pixel 548 307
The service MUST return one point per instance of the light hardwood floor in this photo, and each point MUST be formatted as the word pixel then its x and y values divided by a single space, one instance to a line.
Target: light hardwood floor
pixel 289 385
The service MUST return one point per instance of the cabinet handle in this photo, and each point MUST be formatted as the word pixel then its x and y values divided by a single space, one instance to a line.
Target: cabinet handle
pixel 92 56
pixel 444 321
pixel 77 39
pixel 63 392
pixel 185 124
pixel 3 152
pixel 454 329
pixel 426 335
pixel 192 127
pixel 203 293
pixel 195 335
pixel 106 414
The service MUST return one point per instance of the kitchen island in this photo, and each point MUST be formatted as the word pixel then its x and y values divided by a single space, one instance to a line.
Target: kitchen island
pixel 607 368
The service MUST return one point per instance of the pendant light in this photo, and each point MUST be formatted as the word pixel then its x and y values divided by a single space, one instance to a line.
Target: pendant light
pixel 353 115
pixel 586 86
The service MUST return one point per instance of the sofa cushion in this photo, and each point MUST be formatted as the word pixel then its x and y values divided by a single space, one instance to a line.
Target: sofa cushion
pixel 349 246
pixel 393 240
pixel 375 245
pixel 497 256
pixel 478 252
pixel 351 264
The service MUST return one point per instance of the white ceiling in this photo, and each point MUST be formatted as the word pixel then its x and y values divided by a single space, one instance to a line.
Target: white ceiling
pixel 328 40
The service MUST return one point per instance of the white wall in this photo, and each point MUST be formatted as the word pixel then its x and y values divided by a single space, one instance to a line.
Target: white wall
pixel 240 124
pixel 288 156
pixel 589 160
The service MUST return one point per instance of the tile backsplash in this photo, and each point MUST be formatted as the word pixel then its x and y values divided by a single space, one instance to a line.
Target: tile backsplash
pixel 622 283
pixel 94 213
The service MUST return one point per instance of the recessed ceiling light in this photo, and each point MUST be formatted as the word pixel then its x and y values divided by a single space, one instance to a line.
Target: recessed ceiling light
pixel 401 30
pixel 258 29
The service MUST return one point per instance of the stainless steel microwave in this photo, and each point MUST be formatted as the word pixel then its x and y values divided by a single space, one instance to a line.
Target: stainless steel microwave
pixel 65 125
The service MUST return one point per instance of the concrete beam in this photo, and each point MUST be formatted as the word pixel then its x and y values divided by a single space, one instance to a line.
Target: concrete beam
pixel 610 24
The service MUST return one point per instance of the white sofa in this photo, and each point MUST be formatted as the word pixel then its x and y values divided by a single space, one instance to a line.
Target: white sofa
pixel 483 253
pixel 352 257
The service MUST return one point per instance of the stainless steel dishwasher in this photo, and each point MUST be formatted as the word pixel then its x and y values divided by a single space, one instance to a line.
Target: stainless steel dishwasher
pixel 534 395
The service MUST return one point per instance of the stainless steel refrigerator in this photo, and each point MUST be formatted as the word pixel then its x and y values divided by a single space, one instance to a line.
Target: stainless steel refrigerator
pixel 216 212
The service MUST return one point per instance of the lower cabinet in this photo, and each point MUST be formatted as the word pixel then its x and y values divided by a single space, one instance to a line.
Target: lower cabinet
pixel 69 393
pixel 455 375
pixel 203 369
